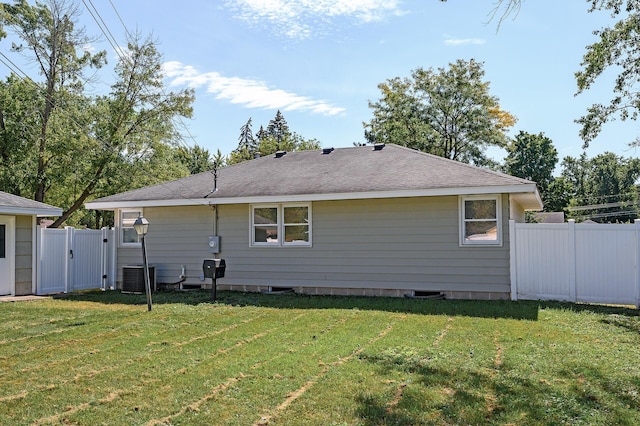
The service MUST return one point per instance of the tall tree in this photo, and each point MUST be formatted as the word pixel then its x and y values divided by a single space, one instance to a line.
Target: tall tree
pixel 532 157
pixel 50 38
pixel 446 112
pixel 20 102
pixel 134 124
pixel 247 146
pixel 246 139
pixel 278 129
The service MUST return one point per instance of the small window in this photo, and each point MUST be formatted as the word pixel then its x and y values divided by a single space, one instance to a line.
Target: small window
pixel 265 225
pixel 128 235
pixel 296 225
pixel 281 225
pixel 480 221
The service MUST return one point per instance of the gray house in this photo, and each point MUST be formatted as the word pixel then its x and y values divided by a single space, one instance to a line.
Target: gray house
pixel 18 242
pixel 384 220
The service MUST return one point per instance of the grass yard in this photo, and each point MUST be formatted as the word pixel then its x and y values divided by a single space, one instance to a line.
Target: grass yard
pixel 253 359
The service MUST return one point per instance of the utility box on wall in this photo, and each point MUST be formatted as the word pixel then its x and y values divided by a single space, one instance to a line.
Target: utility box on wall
pixel 214 244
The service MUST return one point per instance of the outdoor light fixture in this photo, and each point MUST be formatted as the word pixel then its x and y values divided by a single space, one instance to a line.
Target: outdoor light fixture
pixel 141 225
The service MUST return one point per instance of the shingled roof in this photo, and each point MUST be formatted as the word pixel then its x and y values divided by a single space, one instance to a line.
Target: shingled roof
pixel 14 204
pixel 343 173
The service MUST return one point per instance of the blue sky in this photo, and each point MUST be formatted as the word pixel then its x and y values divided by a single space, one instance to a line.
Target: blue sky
pixel 320 61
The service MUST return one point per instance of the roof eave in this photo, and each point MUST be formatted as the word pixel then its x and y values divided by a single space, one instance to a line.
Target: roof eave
pixel 39 212
pixel 530 201
pixel 528 194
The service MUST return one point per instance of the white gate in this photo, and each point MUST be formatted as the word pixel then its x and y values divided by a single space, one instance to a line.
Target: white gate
pixel 75 259
pixel 597 263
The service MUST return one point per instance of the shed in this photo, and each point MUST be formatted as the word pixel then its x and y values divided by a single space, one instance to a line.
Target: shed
pixel 18 242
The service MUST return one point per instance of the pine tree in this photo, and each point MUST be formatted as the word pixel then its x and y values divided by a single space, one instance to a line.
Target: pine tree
pixel 278 129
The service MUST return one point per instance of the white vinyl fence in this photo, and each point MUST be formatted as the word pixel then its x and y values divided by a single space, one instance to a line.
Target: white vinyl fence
pixel 75 259
pixel 596 263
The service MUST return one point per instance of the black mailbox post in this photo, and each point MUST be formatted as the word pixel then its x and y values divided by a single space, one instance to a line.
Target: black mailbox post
pixel 214 268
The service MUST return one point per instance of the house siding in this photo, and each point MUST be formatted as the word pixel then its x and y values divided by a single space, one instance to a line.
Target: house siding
pixel 177 236
pixel 24 255
pixel 401 244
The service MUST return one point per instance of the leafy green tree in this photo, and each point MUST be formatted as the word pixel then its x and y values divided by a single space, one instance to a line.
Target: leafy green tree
pixel 290 142
pixel 196 158
pixel 558 195
pixel 616 48
pixel 445 112
pixel 532 157
pixel 604 187
pixel 19 106
pixel 49 37
pixel 133 126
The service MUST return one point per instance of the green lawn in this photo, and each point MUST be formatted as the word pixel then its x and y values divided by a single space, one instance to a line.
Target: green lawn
pixel 250 359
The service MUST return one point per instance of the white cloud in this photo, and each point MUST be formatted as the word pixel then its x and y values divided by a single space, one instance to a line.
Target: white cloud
pixel 251 93
pixel 300 19
pixel 463 41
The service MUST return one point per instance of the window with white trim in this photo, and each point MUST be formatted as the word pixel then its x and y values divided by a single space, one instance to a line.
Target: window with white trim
pixel 128 235
pixel 281 225
pixel 480 220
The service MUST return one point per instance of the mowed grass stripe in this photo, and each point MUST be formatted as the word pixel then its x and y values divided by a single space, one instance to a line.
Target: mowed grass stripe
pixel 381 372
pixel 15 325
pixel 298 360
pixel 137 363
pixel 266 418
pixel 266 360
pixel 101 349
pixel 261 360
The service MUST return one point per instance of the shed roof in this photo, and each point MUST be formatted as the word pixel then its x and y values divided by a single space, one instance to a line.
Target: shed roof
pixel 344 173
pixel 14 204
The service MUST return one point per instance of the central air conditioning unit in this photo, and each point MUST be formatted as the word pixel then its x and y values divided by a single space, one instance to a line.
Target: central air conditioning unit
pixel 133 278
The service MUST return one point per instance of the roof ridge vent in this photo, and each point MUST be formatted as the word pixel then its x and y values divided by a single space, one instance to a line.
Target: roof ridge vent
pixel 280 154
pixel 378 147
pixel 328 150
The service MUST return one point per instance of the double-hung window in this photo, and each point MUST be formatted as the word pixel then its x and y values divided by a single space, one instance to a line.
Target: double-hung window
pixel 281 225
pixel 480 220
pixel 128 235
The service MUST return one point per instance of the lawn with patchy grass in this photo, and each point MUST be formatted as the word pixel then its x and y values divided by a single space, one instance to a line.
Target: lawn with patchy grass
pixel 253 359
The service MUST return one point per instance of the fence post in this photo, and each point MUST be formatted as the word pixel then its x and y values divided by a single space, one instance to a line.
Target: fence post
pixel 513 261
pixel 637 260
pixel 40 233
pixel 572 260
pixel 104 254
pixel 68 267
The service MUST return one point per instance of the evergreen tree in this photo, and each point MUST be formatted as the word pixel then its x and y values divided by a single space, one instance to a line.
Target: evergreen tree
pixel 278 129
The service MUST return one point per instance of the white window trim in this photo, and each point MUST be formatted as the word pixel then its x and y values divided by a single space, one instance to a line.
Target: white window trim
pixel 121 242
pixel 252 237
pixel 481 243
pixel 280 225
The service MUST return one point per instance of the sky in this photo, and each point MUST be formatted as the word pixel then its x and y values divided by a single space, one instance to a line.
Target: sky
pixel 320 61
